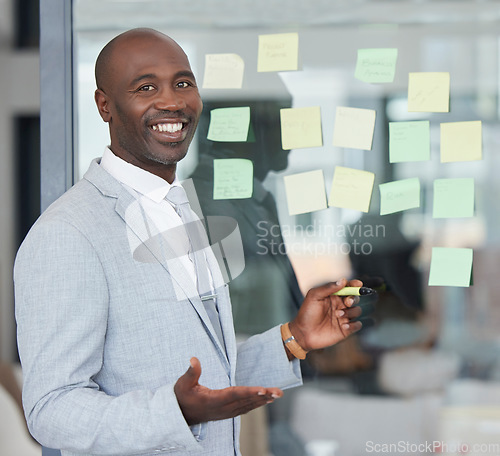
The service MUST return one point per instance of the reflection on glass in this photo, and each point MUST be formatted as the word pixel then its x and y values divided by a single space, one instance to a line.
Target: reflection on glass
pixel 430 365
pixel 267 292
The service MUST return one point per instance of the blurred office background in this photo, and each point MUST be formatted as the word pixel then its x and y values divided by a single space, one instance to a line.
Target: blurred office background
pixel 428 371
pixel 19 194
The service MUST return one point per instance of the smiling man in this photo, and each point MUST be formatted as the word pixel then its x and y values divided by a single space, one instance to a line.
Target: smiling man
pixel 127 356
pixel 150 99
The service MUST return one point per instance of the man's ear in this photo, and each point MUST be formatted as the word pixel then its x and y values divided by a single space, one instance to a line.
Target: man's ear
pixel 102 102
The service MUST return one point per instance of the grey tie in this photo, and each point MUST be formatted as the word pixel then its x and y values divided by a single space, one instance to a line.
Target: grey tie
pixel 199 241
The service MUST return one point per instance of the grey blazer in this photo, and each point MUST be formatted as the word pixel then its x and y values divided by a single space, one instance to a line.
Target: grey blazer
pixel 103 335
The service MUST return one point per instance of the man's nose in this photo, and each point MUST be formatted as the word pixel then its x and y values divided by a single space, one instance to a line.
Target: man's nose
pixel 169 100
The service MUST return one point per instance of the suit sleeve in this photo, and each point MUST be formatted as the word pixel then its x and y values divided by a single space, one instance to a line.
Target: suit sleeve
pixel 61 311
pixel 262 361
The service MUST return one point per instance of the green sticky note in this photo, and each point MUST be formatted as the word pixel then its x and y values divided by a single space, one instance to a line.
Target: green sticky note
pixel 233 178
pixel 409 141
pixel 376 65
pixel 278 52
pixel 354 128
pixel 305 192
pixel 351 189
pixel 301 127
pixel 229 124
pixel 461 141
pixel 453 197
pixel 429 92
pixel 399 195
pixel 451 267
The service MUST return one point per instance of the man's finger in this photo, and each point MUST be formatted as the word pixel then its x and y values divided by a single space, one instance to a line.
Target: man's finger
pixel 243 401
pixel 355 283
pixel 326 290
pixel 353 312
pixel 243 408
pixel 352 327
pixel 243 393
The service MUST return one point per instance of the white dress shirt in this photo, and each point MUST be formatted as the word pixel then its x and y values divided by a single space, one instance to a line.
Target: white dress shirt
pixel 150 191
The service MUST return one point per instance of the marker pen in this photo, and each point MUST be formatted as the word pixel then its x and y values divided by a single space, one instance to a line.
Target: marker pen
pixel 355 291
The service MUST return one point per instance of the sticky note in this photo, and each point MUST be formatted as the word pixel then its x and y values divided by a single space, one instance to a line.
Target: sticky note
pixel 229 124
pixel 461 141
pixel 301 127
pixel 351 189
pixel 305 192
pixel 399 195
pixel 278 52
pixel 223 71
pixel 451 267
pixel 409 141
pixel 453 198
pixel 354 128
pixel 376 65
pixel 429 92
pixel 233 178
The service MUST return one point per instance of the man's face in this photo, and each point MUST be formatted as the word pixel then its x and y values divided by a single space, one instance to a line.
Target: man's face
pixel 153 102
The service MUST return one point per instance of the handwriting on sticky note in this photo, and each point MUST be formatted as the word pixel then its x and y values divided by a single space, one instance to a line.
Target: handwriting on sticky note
pixel 451 267
pixel 278 52
pixel 351 189
pixel 223 71
pixel 229 124
pixel 233 178
pixel 376 65
pixel 409 141
pixel 453 198
pixel 461 141
pixel 301 127
pixel 429 92
pixel 399 195
pixel 305 192
pixel 354 128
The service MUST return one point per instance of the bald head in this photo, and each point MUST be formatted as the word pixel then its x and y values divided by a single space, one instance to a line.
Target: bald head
pixel 104 62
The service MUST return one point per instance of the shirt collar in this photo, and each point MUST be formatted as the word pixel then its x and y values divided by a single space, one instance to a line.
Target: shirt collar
pixel 138 179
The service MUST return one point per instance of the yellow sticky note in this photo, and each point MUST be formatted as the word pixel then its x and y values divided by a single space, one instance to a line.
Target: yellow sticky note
pixel 351 189
pixel 461 141
pixel 301 127
pixel 305 192
pixel 278 52
pixel 354 128
pixel 429 92
pixel 223 71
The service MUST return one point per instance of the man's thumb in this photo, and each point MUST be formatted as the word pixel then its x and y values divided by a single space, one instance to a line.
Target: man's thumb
pixel 193 373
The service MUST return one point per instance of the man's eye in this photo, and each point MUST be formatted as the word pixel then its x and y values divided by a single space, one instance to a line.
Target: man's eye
pixel 146 88
pixel 183 84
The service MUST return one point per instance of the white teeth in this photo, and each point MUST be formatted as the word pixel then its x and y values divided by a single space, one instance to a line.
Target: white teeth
pixel 172 128
pixel 168 127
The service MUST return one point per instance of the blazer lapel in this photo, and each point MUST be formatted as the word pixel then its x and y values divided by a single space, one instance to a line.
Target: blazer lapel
pixel 148 246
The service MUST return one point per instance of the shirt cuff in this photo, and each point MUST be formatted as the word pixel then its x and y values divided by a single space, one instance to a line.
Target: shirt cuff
pixel 199 431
